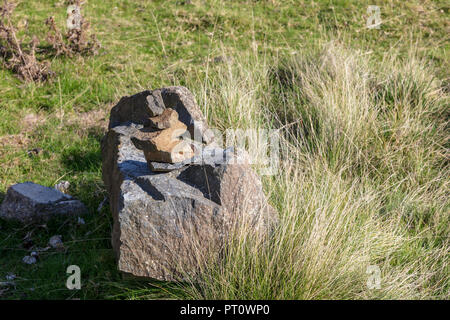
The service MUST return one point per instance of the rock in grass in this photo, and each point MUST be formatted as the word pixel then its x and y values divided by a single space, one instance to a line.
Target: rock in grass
pixel 164 222
pixel 29 260
pixel 31 202
pixel 34 152
pixel 63 186
pixel 56 242
pixel 10 276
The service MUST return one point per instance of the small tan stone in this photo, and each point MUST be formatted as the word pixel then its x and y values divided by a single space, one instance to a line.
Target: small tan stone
pixel 153 140
pixel 164 145
pixel 167 119
pixel 178 151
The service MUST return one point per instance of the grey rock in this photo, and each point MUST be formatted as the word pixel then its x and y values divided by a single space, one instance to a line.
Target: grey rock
pixel 156 103
pixel 228 180
pixel 29 260
pixel 101 205
pixel 154 214
pixel 223 59
pixel 63 186
pixel 34 152
pixel 165 222
pixel 137 108
pixel 56 242
pixel 30 202
pixel 165 167
pixel 6 284
pixel 80 221
pixel 10 276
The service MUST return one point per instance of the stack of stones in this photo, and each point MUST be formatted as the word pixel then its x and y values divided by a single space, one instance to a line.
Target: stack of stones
pixel 175 200
pixel 160 139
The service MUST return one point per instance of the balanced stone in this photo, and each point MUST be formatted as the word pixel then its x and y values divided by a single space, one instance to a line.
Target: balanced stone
pixel 163 145
pixel 164 166
pixel 167 119
pixel 140 107
pixel 206 155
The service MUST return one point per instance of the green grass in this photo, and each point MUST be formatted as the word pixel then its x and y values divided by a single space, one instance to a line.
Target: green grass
pixel 366 165
pixel 363 179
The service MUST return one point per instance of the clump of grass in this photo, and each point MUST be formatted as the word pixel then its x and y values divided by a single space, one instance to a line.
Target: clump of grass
pixel 363 179
pixel 14 56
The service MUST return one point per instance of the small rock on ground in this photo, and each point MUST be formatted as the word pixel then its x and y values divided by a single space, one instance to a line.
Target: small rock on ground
pixel 63 186
pixel 29 260
pixel 56 242
pixel 31 202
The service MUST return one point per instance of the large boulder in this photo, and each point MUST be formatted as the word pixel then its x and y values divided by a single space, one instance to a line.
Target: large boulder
pixel 31 202
pixel 166 221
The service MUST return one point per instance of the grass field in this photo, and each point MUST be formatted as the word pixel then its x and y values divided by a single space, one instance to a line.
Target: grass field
pixel 363 113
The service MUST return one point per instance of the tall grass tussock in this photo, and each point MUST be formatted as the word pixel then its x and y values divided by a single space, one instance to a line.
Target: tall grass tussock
pixel 363 176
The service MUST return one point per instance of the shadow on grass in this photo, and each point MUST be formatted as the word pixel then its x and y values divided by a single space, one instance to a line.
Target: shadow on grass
pixel 85 156
pixel 78 160
pixel 97 133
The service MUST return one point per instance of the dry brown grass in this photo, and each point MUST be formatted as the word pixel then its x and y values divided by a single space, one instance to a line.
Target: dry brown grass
pixel 14 56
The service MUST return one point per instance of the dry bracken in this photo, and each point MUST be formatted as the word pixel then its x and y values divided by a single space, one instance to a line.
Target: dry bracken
pixel 76 41
pixel 13 54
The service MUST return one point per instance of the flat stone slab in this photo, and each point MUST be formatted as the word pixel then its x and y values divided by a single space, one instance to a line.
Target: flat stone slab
pixel 165 167
pixel 208 156
pixel 28 202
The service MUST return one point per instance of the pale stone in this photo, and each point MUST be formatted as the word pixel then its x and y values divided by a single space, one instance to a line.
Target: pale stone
pixel 141 106
pixel 164 145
